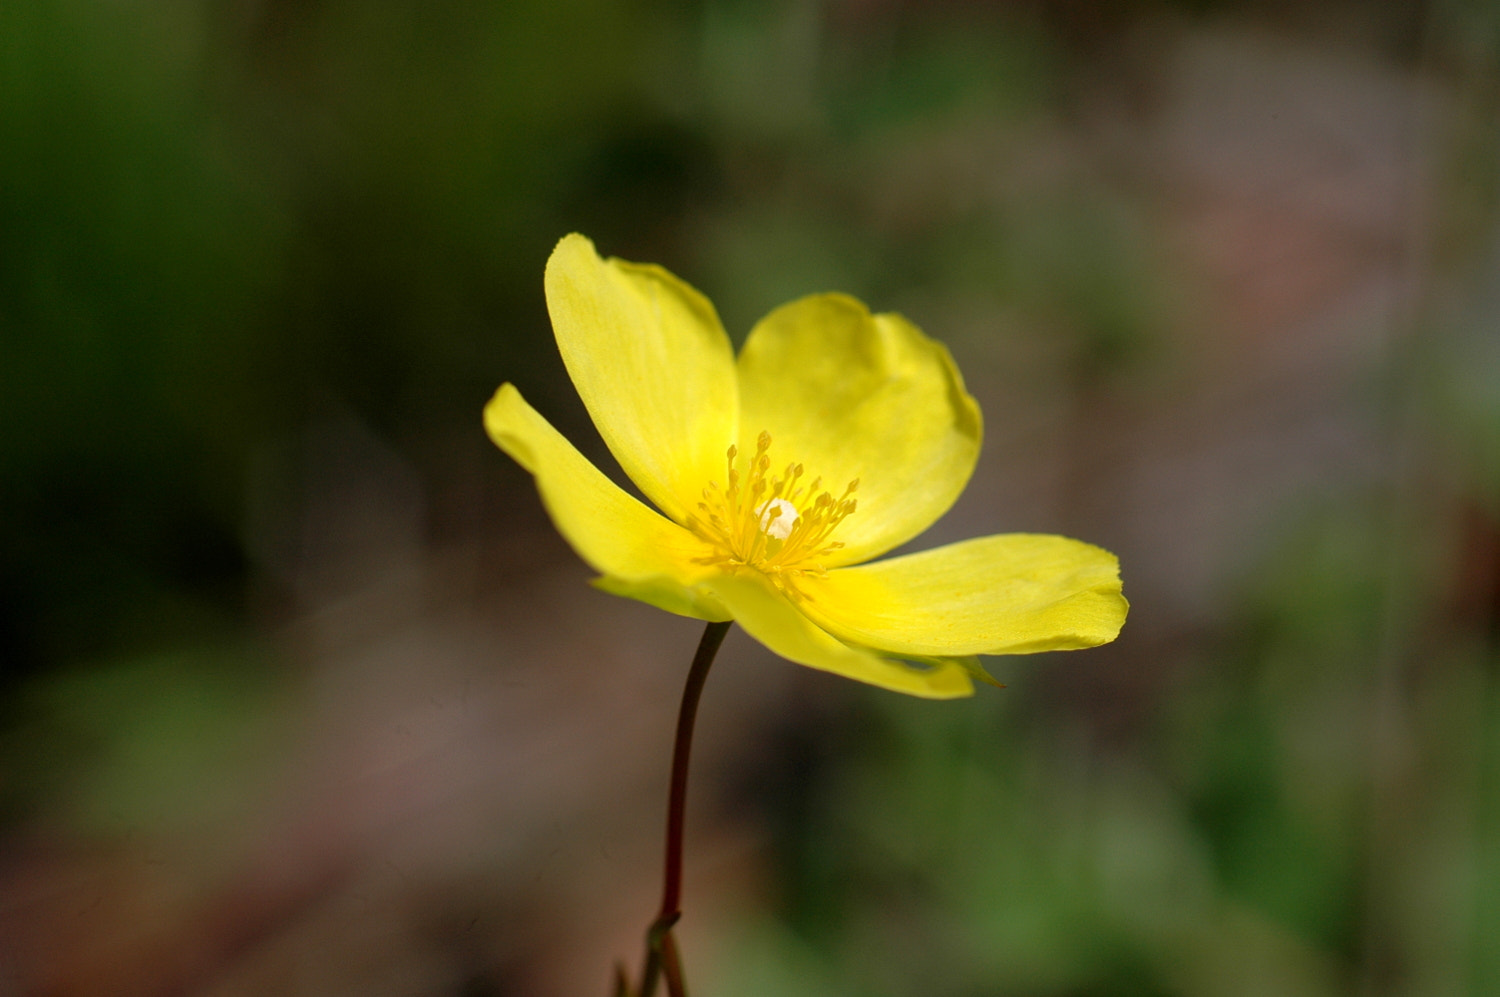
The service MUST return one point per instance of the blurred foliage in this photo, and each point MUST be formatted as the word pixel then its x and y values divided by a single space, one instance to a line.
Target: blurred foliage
pixel 216 222
pixel 174 743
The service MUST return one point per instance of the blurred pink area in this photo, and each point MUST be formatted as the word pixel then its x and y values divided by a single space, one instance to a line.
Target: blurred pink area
pixel 466 770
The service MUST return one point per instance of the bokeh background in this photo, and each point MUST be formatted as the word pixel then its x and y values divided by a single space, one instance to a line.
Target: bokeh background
pixel 303 695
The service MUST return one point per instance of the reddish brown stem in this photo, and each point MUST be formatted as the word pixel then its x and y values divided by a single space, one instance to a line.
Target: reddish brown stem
pixel 660 946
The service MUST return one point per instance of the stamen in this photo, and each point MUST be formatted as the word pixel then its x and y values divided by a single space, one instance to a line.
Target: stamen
pixel 776 525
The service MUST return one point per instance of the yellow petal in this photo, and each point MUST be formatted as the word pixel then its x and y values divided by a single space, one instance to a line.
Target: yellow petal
pixel 664 593
pixel 850 395
pixel 770 618
pixel 613 531
pixel 1011 594
pixel 653 366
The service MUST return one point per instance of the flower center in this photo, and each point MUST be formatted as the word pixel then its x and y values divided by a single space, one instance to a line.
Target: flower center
pixel 777 525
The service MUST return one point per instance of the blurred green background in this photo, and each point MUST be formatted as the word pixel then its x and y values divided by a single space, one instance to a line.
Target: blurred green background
pixel 302 694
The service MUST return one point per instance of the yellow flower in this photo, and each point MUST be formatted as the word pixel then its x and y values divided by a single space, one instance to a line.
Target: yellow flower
pixel 835 436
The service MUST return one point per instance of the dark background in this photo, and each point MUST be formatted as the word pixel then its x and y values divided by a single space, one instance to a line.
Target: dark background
pixel 301 694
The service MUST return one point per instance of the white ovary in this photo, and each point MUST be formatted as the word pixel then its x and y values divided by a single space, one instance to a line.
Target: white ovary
pixel 777 518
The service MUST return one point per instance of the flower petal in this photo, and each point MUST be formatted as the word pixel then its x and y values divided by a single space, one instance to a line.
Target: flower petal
pixel 612 530
pixel 664 593
pixel 772 619
pixel 854 395
pixel 653 366
pixel 1011 594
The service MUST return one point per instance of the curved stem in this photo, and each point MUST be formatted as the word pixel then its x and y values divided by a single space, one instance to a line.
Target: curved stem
pixel 671 894
pixel 658 940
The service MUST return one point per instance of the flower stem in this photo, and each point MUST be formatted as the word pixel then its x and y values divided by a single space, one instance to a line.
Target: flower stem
pixel 660 946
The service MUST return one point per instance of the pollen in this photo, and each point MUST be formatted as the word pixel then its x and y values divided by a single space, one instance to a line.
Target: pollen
pixel 780 525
